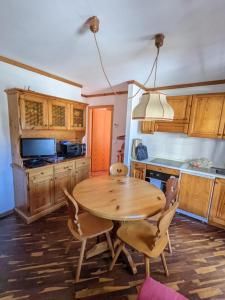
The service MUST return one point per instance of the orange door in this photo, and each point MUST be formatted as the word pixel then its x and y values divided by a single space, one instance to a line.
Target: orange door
pixel 101 139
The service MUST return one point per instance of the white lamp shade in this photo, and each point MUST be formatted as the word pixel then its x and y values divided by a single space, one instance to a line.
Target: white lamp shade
pixel 153 106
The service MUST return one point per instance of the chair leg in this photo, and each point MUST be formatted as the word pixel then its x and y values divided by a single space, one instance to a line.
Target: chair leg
pixel 82 249
pixel 69 245
pixel 164 264
pixel 169 242
pixel 147 266
pixel 119 249
pixel 109 241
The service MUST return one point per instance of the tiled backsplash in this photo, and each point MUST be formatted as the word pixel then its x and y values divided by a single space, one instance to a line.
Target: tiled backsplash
pixel 181 147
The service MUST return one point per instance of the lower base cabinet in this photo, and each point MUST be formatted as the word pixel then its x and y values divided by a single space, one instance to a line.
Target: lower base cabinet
pixel 39 191
pixel 217 212
pixel 195 194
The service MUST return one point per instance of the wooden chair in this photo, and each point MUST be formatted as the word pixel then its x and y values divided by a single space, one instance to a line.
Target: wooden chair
pixel 171 197
pixel 138 173
pixel 118 169
pixel 146 238
pixel 83 227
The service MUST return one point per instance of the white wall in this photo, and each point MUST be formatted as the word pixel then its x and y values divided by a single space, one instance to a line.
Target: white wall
pixel 119 118
pixel 175 146
pixel 11 77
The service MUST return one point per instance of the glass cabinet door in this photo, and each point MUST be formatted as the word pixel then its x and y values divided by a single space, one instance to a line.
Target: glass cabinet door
pixel 59 114
pixel 78 116
pixel 33 112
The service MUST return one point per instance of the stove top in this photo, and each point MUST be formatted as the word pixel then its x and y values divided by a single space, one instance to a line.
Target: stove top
pixel 168 162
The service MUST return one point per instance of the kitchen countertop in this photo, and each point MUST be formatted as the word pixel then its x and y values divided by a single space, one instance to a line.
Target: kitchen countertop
pixel 182 166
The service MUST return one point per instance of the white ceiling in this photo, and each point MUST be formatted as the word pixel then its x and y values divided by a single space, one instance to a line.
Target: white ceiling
pixel 46 34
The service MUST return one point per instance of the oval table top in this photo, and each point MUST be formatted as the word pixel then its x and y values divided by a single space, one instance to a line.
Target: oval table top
pixel 119 198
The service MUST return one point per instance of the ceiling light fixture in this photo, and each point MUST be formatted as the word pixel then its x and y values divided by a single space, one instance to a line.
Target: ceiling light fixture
pixel 153 105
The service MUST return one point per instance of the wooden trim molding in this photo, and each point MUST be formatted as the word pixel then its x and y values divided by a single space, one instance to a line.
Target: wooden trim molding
pixel 38 71
pixel 178 86
pixel 103 94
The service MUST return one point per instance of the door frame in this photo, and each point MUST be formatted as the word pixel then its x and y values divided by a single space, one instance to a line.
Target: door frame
pixel 89 131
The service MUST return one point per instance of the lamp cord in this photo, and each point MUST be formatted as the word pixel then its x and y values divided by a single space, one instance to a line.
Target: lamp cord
pixel 149 76
pixel 102 65
pixel 155 64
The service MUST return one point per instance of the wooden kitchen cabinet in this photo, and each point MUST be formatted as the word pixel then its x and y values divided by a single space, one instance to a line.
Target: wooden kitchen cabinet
pixel 181 106
pixel 148 127
pixel 77 116
pixel 217 212
pixel 82 169
pixel 207 116
pixel 33 112
pixel 59 114
pixel 138 166
pixel 64 178
pixel 41 192
pixel 195 193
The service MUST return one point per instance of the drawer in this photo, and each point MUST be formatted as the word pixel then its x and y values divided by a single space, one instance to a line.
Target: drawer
pixel 163 170
pixel 43 171
pixel 136 165
pixel 62 167
pixel 82 162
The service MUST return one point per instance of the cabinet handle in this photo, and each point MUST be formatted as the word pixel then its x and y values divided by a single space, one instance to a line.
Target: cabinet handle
pixel 42 173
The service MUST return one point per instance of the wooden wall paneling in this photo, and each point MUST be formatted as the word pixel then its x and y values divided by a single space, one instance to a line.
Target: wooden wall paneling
pixel 206 114
pixel 217 212
pixel 195 194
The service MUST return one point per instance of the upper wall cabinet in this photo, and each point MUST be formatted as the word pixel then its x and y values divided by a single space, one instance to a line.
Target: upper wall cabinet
pixel 77 116
pixel 59 114
pixel 33 112
pixel 207 116
pixel 181 106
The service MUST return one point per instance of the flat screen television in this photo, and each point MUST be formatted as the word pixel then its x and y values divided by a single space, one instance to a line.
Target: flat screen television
pixel 37 147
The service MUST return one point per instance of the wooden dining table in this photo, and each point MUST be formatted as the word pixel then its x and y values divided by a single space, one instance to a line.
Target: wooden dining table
pixel 118 198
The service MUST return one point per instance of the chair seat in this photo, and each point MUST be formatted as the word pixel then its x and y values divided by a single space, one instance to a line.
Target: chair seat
pixel 90 225
pixel 140 236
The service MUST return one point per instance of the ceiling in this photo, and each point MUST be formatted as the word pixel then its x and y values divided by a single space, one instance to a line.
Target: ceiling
pixel 48 34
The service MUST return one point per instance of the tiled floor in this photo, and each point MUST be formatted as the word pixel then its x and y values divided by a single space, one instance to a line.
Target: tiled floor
pixel 33 264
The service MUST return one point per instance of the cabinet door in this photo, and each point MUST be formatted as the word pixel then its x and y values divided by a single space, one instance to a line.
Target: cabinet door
pixel 33 112
pixel 82 173
pixel 64 178
pixel 40 193
pixel 147 127
pixel 78 118
pixel 195 194
pixel 217 212
pixel 59 114
pixel 138 166
pixel 181 106
pixel 206 116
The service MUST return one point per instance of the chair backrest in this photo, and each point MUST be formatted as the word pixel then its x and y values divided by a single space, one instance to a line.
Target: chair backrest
pixel 138 173
pixel 118 169
pixel 172 185
pixel 164 222
pixel 73 210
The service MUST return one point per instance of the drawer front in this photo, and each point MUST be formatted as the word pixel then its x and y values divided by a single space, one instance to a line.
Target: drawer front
pixel 139 166
pixel 163 170
pixel 82 162
pixel 62 167
pixel 41 172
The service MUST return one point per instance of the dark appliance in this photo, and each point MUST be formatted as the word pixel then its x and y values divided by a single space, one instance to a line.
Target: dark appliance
pixel 158 178
pixel 37 147
pixel 72 150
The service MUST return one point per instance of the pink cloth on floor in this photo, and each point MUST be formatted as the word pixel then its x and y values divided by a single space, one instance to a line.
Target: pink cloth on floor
pixel 154 290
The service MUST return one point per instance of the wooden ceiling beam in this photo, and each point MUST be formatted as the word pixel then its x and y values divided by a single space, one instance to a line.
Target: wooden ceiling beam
pixel 38 71
pixel 178 86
